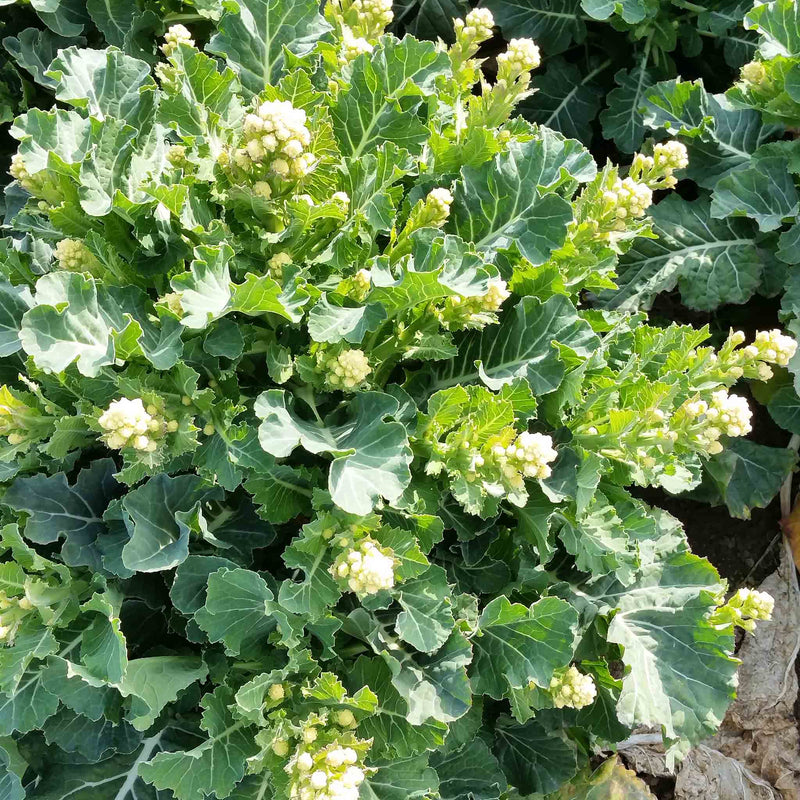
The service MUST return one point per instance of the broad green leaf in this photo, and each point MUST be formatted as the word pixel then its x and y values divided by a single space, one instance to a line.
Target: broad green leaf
pixel 93 740
pixel 712 261
pixel 385 101
pixel 213 767
pixel 469 772
pixel 749 475
pixel 431 19
pixel 516 644
pixel 160 515
pixel 334 323
pixel 10 784
pixel 494 205
pixel 394 736
pixel 534 759
pixel 566 100
pixel 778 22
pixel 610 779
pixel 107 83
pixel 679 107
pixel 623 121
pixel 188 591
pixel 312 596
pixel 66 134
pixel 400 779
pixel 29 706
pixel 151 683
pixel 371 455
pixel 631 11
pixel 34 49
pixel 14 302
pixel 426 620
pixel 103 648
pixel 75 512
pixel 252 34
pixel 77 688
pixel 554 24
pixel 784 408
pixel 680 673
pixel 764 191
pixel 523 345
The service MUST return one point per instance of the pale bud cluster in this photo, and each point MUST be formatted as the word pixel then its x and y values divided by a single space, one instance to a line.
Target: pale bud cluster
pixel 353 46
pixel 19 171
pixel 474 312
pixel 13 611
pixel 529 454
pixel 129 424
pixel 346 370
pixel 367 568
pixel 73 255
pixel 176 155
pixel 372 16
pixel 628 198
pixel 522 55
pixel 745 608
pixel 342 199
pixel 175 36
pixel 726 414
pixel 476 28
pixel 572 689
pixel 754 73
pixel 773 347
pixel 670 156
pixel 276 136
pixel 276 264
pixel 437 207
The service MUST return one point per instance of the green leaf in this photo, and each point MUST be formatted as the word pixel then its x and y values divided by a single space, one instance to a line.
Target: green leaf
pixel 533 759
pixel 34 49
pixel 29 706
pixel 679 107
pixel 764 191
pixel 610 779
pixel 107 83
pixel 631 11
pixel 470 772
pixel 400 779
pixel 213 767
pixel 516 644
pixel 749 475
pixel 566 100
pixel 623 121
pixel 385 101
pixel 523 345
pixel 713 261
pixel 188 592
pixel 14 302
pixel 778 22
pixel 75 512
pixel 237 610
pixel 494 205
pixel 371 455
pixel 252 34
pixel 10 784
pixel 394 736
pixel 93 740
pixel 65 134
pixel 334 323
pixel 160 515
pixel 555 24
pixel 77 688
pixel 151 683
pixel 426 620
pixel 784 408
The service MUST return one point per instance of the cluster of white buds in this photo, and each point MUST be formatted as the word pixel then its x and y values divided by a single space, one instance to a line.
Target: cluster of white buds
pixel 342 199
pixel 276 136
pixel 496 295
pixel 177 156
pixel 371 16
pixel 276 264
pixel 474 312
pixel 176 35
pixel 572 689
pixel 745 608
pixel 172 300
pixel 477 27
pixel 13 611
pixel 347 370
pixel 367 567
pixel 330 773
pixel 73 255
pixel 129 424
pixel 773 347
pixel 19 171
pixel 437 207
pixel 530 454
pixel 754 73
pixel 353 46
pixel 670 156
pixel 522 55
pixel 726 414
pixel 628 198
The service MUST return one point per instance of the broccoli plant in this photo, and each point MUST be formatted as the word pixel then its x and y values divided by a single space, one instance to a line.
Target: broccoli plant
pixel 315 460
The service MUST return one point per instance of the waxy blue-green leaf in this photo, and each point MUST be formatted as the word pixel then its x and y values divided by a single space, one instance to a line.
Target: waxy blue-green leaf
pixel 623 120
pixel 400 779
pixel 75 512
pixel 92 740
pixel 712 261
pixel 394 736
pixel 311 553
pixel 469 772
pixel 778 22
pixel 632 11
pixel 66 134
pixel 426 620
pixel 14 302
pixel 151 683
pixel 679 107
pixel 29 706
pixel 213 767
pixel 334 323
pixel 252 34
pixel 521 346
pixel 188 591
pixel 10 783
pixel 554 25
pixel 34 49
pixel 160 516
pixel 107 83
pixel 385 101
pixel 534 759
pixel 371 455
pixel 77 688
pixel 496 207
pixel 516 644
